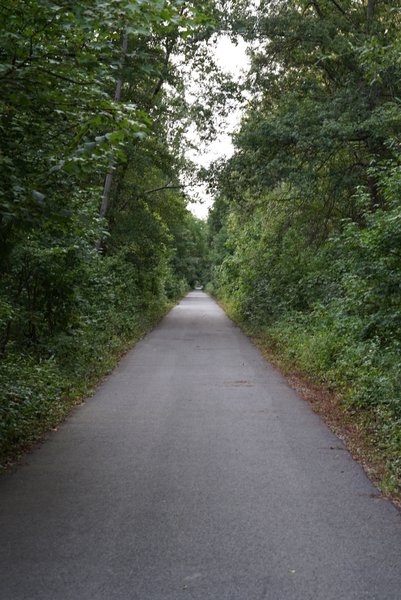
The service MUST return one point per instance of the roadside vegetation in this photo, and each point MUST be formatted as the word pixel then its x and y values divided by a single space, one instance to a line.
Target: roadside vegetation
pixel 305 233
pixel 96 241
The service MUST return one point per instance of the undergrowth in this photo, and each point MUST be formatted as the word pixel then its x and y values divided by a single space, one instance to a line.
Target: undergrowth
pixel 41 382
pixel 364 380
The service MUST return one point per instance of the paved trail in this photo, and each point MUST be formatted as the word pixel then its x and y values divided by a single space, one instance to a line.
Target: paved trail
pixel 195 473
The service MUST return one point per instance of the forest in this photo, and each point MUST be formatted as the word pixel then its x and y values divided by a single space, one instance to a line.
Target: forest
pixel 302 246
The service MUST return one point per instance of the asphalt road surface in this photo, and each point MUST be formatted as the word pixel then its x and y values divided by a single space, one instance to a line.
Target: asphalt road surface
pixel 195 473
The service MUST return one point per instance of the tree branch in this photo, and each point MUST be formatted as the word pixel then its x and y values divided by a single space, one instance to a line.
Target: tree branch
pixel 74 81
pixel 160 81
pixel 165 187
pixel 340 8
pixel 169 49
pixel 317 9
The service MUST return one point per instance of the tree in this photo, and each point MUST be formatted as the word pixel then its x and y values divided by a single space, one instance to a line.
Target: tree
pixel 307 223
pixel 82 88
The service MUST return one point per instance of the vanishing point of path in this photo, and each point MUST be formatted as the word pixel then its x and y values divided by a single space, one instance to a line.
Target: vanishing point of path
pixel 195 473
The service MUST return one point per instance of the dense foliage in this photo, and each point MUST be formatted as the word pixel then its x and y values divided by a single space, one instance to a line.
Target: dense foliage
pixel 96 240
pixel 87 267
pixel 306 231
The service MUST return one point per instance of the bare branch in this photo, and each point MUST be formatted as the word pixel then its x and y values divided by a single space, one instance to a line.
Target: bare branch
pixel 340 8
pixel 165 187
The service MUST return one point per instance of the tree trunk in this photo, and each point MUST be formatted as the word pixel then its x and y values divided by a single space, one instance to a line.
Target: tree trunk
pixel 371 10
pixel 117 97
pixel 5 339
pixel 109 177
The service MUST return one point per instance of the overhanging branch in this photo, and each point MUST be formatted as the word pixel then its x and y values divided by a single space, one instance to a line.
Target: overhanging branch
pixel 164 187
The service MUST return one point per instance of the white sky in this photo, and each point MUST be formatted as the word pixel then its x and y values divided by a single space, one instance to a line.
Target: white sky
pixel 233 60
